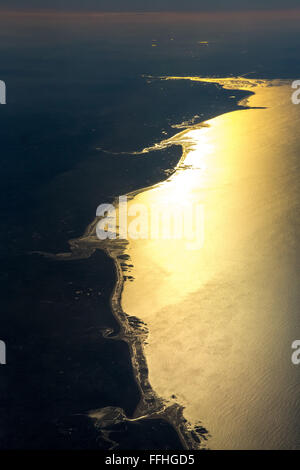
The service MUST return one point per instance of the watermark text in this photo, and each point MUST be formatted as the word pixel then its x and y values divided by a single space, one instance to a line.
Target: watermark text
pixel 164 221
pixel 2 353
pixel 296 353
pixel 296 94
pixel 2 92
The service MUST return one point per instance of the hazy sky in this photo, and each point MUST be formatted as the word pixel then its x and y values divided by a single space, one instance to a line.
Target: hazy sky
pixel 149 5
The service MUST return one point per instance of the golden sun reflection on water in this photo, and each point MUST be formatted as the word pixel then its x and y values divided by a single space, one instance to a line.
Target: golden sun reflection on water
pixel 222 317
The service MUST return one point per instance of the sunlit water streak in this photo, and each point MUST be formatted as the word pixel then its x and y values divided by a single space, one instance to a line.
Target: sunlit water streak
pixel 221 319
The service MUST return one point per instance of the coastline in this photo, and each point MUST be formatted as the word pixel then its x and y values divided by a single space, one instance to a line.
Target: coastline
pixel 267 97
pixel 52 296
pixel 132 330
